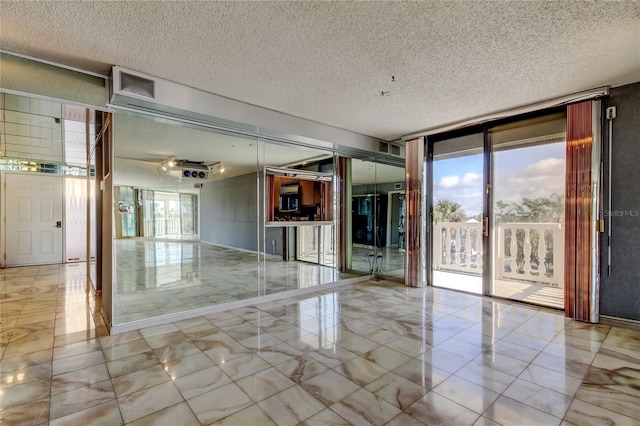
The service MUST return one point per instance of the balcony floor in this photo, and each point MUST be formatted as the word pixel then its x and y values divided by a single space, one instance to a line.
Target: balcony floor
pixel 529 293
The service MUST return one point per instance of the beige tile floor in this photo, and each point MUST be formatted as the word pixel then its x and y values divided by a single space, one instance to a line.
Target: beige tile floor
pixel 158 277
pixel 369 353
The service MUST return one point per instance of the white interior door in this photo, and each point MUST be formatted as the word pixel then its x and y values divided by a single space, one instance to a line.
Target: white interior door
pixel 34 219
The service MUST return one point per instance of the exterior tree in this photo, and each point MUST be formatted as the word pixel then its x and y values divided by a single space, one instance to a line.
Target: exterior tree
pixel 537 210
pixel 448 211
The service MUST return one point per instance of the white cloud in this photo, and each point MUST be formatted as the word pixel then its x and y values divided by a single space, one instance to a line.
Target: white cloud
pixel 466 190
pixel 536 180
pixel 449 181
pixel 472 179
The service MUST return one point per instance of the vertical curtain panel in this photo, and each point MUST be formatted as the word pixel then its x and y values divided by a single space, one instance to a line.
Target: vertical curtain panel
pixel 414 161
pixel 578 203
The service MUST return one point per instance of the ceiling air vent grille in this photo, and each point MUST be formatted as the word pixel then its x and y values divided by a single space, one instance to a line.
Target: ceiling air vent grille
pixel 137 85
pixel 383 147
pixel 395 150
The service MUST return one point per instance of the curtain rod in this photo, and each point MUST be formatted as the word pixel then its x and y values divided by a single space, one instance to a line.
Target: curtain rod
pixel 549 103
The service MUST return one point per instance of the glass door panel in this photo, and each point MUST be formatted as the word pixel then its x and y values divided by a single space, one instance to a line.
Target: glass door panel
pixel 188 215
pixel 457 246
pixel 518 252
pixel 528 215
pixel 316 244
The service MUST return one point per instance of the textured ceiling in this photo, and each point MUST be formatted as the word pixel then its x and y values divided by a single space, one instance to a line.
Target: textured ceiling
pixel 329 61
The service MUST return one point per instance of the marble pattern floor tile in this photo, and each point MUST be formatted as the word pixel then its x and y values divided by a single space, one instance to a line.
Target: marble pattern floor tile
pixel 79 378
pixel 396 390
pixel 329 387
pixel 25 393
pixel 69 402
pixel 364 407
pixel 25 375
pixel 500 362
pixel 371 352
pixel 541 398
pixel 508 411
pixel 148 400
pixel 324 418
pixel 486 377
pixel 360 371
pixel 279 353
pixel 302 368
pixel 291 406
pixel 622 400
pixel 561 365
pixel 425 375
pixel 466 393
pixel 32 413
pixel 584 414
pixel 252 415
pixel 243 366
pixel 386 357
pixel 264 384
pixel 187 365
pixel 139 380
pixel 103 414
pixel 131 364
pixel 219 403
pixel 434 409
pixel 551 379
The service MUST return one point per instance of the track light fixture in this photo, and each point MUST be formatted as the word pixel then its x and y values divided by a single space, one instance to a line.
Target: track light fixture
pixel 185 169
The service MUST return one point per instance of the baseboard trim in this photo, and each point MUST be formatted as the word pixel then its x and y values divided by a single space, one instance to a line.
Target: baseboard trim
pixel 619 322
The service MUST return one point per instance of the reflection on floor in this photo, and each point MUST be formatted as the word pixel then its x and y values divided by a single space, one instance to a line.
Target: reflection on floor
pixel 537 294
pixel 392 263
pixel 156 277
pixel 368 353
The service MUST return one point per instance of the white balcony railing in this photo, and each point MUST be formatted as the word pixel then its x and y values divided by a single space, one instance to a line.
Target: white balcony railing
pixel 165 226
pixel 531 252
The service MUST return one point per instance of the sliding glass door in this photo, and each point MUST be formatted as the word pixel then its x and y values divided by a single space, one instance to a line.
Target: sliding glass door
pixel 528 189
pixel 497 210
pixel 456 215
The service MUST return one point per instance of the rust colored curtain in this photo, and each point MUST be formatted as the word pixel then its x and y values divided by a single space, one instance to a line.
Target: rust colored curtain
pixel 414 160
pixel 577 218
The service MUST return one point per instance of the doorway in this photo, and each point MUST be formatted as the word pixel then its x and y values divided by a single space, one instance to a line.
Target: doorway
pixel 33 219
pixel 497 210
pixel 457 255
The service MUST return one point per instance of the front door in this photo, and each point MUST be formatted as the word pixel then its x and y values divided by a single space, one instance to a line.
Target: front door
pixel 33 219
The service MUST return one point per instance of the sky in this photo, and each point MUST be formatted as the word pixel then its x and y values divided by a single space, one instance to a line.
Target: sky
pixel 531 172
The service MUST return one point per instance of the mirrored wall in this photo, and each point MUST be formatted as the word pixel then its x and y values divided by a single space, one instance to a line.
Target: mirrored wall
pixel 190 224
pixel 377 218
pixel 193 217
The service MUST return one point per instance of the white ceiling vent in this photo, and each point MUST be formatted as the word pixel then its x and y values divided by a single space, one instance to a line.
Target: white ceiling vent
pixel 137 85
pixel 395 150
pixel 383 147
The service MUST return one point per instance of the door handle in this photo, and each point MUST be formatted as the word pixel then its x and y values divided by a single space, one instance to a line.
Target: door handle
pixel 485 226
pixel 59 224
